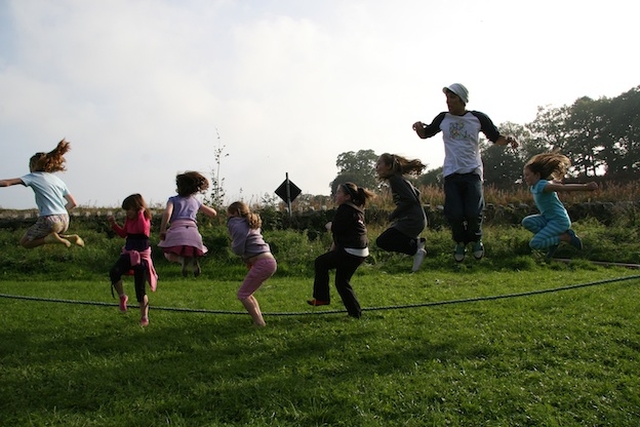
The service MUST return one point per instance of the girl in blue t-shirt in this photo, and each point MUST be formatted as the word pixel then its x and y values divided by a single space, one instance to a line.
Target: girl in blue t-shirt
pixel 543 174
pixel 52 198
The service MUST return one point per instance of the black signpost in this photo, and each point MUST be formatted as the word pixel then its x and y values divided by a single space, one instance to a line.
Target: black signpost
pixel 288 192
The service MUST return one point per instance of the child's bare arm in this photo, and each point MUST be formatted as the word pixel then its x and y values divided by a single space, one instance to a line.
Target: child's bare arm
pixel 10 182
pixel 552 186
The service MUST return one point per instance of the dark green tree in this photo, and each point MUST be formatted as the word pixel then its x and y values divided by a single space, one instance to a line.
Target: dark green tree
pixel 503 165
pixel 357 167
pixel 621 130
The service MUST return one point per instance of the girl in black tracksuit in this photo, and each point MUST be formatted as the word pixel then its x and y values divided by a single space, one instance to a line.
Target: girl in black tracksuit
pixel 348 251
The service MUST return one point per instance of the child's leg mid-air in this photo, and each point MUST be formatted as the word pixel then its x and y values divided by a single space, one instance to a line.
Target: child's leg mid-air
pixel 73 238
pixel 48 230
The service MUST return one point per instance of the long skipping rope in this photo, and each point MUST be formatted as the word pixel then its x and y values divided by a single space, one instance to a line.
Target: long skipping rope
pixel 318 312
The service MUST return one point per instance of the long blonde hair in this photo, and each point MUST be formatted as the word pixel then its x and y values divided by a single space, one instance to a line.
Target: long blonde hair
pixel 401 165
pixel 549 165
pixel 242 210
pixel 53 161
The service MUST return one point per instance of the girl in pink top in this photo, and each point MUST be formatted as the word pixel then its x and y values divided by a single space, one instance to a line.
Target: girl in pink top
pixel 182 242
pixel 135 257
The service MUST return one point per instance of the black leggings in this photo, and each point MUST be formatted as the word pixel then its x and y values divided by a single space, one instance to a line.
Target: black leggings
pixel 392 240
pixel 123 266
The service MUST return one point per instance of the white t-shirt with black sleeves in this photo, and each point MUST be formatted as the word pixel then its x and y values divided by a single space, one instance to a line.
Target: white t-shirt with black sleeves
pixel 461 140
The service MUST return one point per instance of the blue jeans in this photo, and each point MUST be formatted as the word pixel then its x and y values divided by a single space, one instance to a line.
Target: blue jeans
pixel 463 206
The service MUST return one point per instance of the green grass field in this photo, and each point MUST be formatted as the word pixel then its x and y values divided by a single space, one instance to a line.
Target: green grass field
pixel 563 358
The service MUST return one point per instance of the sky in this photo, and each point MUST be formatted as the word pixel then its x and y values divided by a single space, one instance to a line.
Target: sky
pixel 147 89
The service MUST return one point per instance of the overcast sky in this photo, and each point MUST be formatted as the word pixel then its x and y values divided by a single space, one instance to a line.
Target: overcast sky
pixel 145 89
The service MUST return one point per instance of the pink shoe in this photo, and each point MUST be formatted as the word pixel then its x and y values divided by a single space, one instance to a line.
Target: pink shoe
pixel 144 321
pixel 123 303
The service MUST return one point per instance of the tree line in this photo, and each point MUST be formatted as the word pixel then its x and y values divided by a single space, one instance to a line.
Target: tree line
pixel 601 137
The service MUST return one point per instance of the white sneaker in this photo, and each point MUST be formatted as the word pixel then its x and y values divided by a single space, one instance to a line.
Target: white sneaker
pixel 419 255
pixel 459 251
pixel 478 250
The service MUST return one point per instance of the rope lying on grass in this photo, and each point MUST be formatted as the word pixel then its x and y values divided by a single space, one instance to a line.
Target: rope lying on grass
pixel 389 307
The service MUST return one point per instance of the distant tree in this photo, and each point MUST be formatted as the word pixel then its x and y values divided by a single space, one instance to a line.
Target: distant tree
pixel 621 130
pixel 599 136
pixel 358 168
pixel 431 177
pixel 503 165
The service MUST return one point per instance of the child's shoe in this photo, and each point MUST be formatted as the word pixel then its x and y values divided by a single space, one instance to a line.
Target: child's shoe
pixel 478 250
pixel 123 303
pixel 316 302
pixel 575 240
pixel 144 321
pixel 419 255
pixel 458 252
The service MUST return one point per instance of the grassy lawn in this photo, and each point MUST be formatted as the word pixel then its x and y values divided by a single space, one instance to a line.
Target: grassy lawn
pixel 566 358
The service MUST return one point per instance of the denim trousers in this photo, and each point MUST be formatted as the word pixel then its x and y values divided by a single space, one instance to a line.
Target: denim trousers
pixel 463 206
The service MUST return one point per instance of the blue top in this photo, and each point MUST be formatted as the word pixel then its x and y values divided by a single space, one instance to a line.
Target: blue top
pixel 49 190
pixel 548 203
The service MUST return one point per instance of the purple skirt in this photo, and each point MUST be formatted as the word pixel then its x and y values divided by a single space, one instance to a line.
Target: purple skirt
pixel 184 239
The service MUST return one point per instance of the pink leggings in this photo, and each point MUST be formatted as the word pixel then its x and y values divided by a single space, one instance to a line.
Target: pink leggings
pixel 259 272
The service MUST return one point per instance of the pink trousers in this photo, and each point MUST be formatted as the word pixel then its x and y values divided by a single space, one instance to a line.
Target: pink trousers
pixel 259 272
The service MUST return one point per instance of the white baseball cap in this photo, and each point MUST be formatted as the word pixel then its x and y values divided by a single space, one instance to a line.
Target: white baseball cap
pixel 459 90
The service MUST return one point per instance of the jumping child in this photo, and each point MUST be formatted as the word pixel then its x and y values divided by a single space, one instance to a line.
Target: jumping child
pixel 182 242
pixel 348 250
pixel 136 254
pixel 543 173
pixel 52 198
pixel 247 242
pixel 408 218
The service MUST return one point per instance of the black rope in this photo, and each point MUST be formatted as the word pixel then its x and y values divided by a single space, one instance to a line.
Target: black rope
pixel 316 312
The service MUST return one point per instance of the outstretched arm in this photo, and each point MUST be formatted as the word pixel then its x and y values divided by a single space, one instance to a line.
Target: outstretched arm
pixel 507 140
pixel 208 211
pixel 419 129
pixel 10 182
pixel 552 186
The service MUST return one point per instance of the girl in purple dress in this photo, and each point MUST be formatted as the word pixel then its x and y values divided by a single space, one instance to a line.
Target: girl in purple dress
pixel 182 242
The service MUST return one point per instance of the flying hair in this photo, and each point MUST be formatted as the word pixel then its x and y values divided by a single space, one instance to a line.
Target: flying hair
pixel 401 165
pixel 549 165
pixel 53 161
pixel 191 182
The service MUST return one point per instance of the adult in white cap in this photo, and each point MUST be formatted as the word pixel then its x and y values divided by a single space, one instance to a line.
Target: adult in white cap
pixel 462 169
